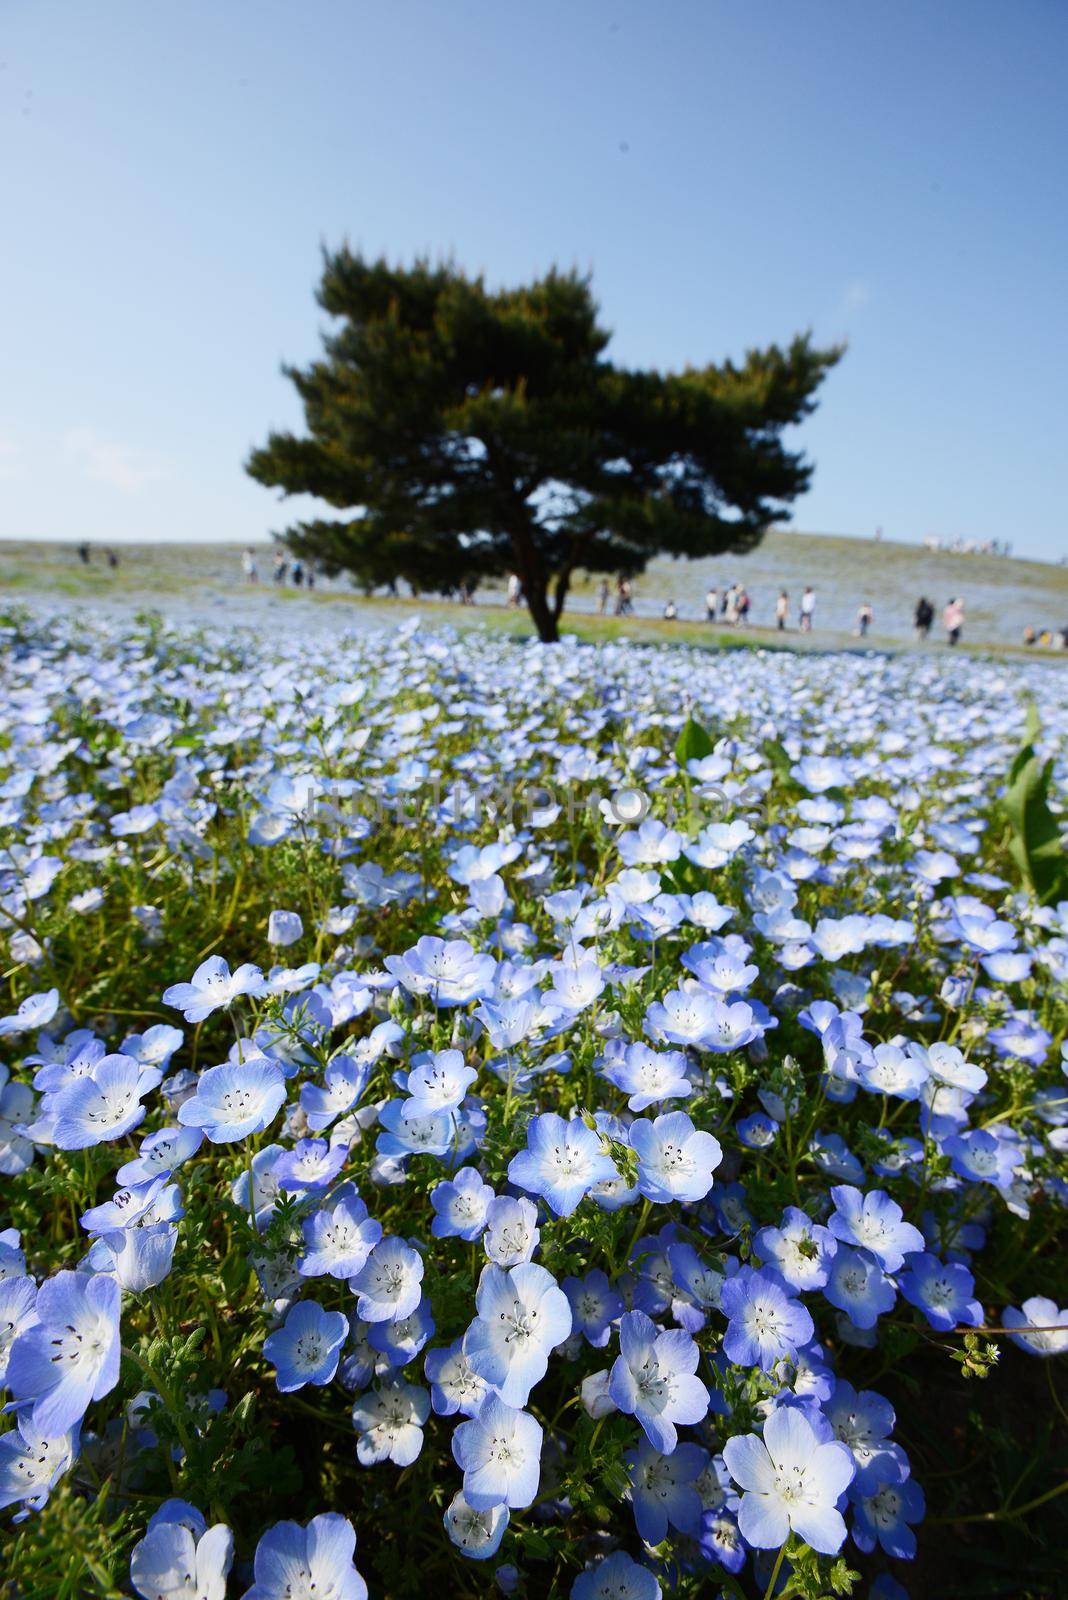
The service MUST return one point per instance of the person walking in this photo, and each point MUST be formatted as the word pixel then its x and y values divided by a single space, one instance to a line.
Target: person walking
pixel 743 604
pixel 248 566
pixel 670 611
pixel 782 610
pixel 602 598
pixel 281 567
pixel 923 617
pixel 712 604
pixel 865 617
pixel 626 597
pixel 515 590
pixel 808 606
pixel 953 620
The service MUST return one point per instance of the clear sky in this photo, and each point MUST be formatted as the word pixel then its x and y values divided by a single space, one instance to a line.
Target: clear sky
pixel 731 171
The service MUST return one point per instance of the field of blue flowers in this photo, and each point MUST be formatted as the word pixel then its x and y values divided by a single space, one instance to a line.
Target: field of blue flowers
pixel 578 1121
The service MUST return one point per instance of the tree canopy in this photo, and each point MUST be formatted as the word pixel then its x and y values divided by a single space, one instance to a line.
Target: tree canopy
pixel 466 433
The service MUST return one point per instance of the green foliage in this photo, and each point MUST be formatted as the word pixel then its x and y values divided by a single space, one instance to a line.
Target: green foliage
pixel 1035 845
pixel 978 1358
pixel 468 433
pixel 693 743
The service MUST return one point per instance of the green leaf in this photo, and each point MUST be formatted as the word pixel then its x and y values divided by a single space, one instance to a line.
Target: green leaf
pixel 1035 846
pixel 693 743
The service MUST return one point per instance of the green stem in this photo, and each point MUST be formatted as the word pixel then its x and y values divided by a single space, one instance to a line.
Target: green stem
pixel 773 1580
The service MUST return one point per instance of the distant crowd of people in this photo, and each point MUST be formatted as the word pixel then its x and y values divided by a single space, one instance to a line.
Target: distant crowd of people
pixel 282 570
pixel 85 556
pixel 1047 638
pixel 731 605
pixel 969 547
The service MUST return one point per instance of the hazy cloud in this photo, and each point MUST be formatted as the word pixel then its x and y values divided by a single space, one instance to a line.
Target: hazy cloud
pixel 123 467
pixel 9 455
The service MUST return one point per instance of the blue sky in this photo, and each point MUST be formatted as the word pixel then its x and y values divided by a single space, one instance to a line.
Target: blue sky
pixel 730 172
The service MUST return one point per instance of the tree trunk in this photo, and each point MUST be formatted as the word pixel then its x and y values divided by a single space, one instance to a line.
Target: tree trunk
pixel 544 617
pixel 563 584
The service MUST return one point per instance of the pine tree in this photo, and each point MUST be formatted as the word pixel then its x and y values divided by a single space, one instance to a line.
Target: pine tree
pixel 466 434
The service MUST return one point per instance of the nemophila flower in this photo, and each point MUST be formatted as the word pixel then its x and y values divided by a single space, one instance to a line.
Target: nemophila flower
pixel 476 1534
pixel 236 1099
pixel 562 1162
pixel 857 1285
pixel 389 1423
pixel 16 1110
pixel 946 1065
pixel 757 1132
pixel 765 1324
pixel 705 911
pixel 139 819
pixel 307 1347
pixel 663 1489
pixel 18 1299
pixel 655 1285
pixel 675 1160
pixel 12 1256
pixel 594 1306
pixel 649 844
pixel 438 1084
pixel 344 1081
pixel 943 1291
pixel 36 1011
pixel 833 1156
pixel 449 973
pixel 790 1482
pixel 460 1205
pixel 70 1356
pixel 499 1454
pixel 721 965
pixel 154 1047
pixel 1042 1326
pixel 698 1285
pixel 512 1232
pixel 523 1314
pixel 649 1077
pixel 882 1516
pixel 454 1386
pixel 138 1258
pixel 404 1136
pixel 720 1541
pixel 284 928
pixel 402 1340
pixel 312 1563
pixel 982 1158
pixel 339 1237
pixel 389 1284
pixel 799 1249
pixel 890 1071
pixel 654 1380
pixel 863 1422
pixel 265 1190
pixel 1021 1039
pixel 310 1167
pixel 32 1462
pixel 873 1222
pixel 100 1107
pixel 160 1154
pixel 732 1212
pixel 212 988
pixel 169 1563
pixel 616 1577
